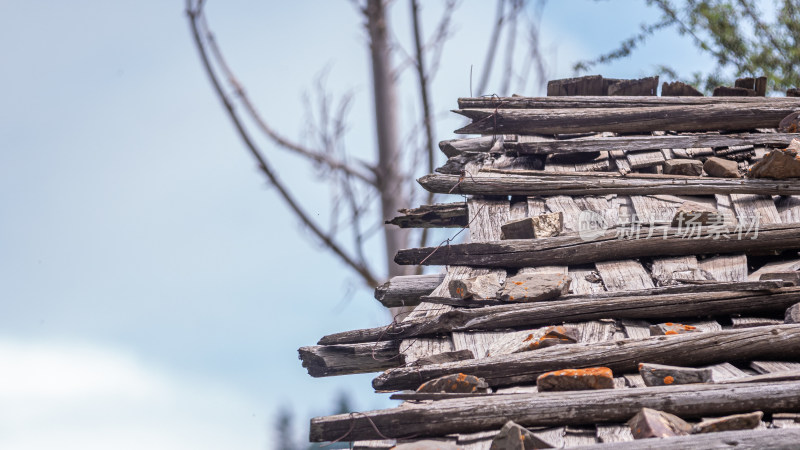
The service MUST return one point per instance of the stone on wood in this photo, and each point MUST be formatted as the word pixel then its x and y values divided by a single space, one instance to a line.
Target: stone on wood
pixel 555 335
pixel 679 89
pixel 669 328
pixel 788 277
pixel 721 168
pixel 445 357
pixel 662 375
pixel 458 383
pixel 777 164
pixel 535 287
pixel 729 423
pixel 515 437
pixel 790 123
pixel 649 423
pixel 692 213
pixel 576 379
pixel 792 314
pixel 689 167
pixel 541 226
pixel 482 287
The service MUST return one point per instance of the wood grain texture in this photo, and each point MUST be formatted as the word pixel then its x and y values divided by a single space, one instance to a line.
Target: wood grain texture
pixel 690 349
pixel 613 102
pixel 571 249
pixel 624 120
pixel 533 183
pixel 778 439
pixel 406 290
pixel 563 408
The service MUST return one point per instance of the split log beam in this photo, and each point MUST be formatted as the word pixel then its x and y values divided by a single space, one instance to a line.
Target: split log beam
pixel 549 409
pixel 440 215
pixel 532 183
pixel 624 120
pixel 406 290
pixel 565 102
pixel 635 143
pixel 680 302
pixel 331 360
pixel 786 439
pixel 690 349
pixel 572 249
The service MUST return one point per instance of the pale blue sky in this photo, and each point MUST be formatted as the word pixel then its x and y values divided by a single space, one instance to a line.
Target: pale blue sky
pixel 154 292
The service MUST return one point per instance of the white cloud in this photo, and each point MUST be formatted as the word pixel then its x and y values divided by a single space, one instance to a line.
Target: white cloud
pixel 78 396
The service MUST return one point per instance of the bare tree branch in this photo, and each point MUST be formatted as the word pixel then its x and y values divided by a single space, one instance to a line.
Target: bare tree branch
pixel 195 13
pixel 488 62
pixel 316 156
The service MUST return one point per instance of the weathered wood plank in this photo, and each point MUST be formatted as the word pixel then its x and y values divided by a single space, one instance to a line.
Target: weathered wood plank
pixel 637 143
pixel 690 349
pixel 331 360
pixel 531 183
pixel 732 268
pixel 612 102
pixel 682 302
pixel 447 215
pixel 624 120
pixel 784 439
pixel 573 408
pixel 571 249
pixel 406 290
pixel 624 275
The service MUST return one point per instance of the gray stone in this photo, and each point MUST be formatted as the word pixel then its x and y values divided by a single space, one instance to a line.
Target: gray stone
pixel 691 213
pixel 541 226
pixel 535 287
pixel 515 437
pixel 576 379
pixel 482 287
pixel 787 277
pixel 721 168
pixel 662 375
pixel 689 167
pixel 457 383
pixel 747 421
pixel 792 314
pixel 649 423
pixel 446 357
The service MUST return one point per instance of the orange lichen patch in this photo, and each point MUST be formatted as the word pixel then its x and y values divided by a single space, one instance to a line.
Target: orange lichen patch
pixel 689 327
pixel 461 377
pixel 530 336
pixel 671 332
pixel 640 366
pixel 519 283
pixel 511 297
pixel 668 379
pixel 456 383
pixel 669 324
pixel 577 379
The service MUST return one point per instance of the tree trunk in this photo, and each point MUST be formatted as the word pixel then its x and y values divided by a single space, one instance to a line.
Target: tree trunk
pixel 386 122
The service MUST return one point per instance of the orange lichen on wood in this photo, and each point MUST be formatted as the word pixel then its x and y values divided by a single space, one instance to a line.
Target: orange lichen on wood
pixel 668 379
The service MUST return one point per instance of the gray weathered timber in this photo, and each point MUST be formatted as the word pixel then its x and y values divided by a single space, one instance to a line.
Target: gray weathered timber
pixel 691 349
pixel 569 250
pixel 682 302
pixel 778 439
pixel 531 183
pixel 406 290
pixel 331 360
pixel 440 215
pixel 635 143
pixel 562 408
pixel 456 147
pixel 625 120
pixel 564 102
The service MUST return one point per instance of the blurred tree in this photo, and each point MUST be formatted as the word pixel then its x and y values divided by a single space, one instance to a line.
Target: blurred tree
pixel 284 431
pixel 740 35
pixel 365 193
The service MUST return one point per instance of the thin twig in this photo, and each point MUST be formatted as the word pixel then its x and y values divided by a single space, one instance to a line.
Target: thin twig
pixel 194 14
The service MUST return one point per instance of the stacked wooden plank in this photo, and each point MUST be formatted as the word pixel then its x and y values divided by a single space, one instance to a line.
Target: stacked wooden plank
pixel 707 305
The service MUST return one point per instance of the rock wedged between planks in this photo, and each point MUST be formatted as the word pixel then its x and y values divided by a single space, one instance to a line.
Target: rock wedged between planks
pixel 733 422
pixel 693 213
pixel 778 164
pixel 541 226
pixel 721 168
pixel 649 423
pixel 534 287
pixel 576 379
pixel 670 328
pixel 482 287
pixel 663 375
pixel 515 437
pixel 792 314
pixel 687 167
pixel 459 383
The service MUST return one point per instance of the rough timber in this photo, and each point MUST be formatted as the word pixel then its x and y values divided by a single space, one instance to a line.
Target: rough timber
pixel 599 156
